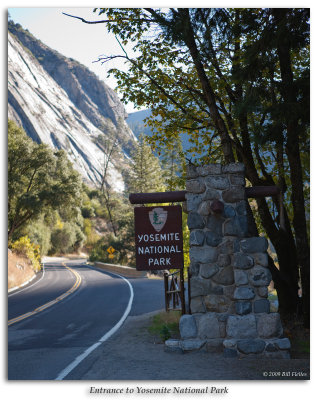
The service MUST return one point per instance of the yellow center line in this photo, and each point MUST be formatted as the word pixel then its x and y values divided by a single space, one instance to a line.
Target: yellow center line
pixel 52 302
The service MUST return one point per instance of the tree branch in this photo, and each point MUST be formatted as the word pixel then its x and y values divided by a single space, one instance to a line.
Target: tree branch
pixel 106 20
pixel 153 81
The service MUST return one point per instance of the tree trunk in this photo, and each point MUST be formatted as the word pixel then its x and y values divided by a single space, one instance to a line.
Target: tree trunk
pixel 207 89
pixel 289 93
pixel 286 278
pixel 108 206
pixel 299 223
pixel 283 242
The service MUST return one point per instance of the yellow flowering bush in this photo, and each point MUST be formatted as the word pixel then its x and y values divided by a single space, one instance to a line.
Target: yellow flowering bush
pixel 24 247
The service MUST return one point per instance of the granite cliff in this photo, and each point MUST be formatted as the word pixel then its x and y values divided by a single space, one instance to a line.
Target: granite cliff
pixel 62 103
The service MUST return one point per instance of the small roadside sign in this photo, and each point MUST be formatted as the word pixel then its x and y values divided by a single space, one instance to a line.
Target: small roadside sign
pixel 111 250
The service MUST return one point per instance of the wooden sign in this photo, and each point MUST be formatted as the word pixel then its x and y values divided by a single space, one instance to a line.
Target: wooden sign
pixel 158 238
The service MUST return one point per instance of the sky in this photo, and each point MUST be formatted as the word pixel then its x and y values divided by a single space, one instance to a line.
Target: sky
pixel 73 38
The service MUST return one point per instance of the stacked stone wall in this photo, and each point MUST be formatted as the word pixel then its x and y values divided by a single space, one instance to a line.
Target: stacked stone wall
pixel 229 271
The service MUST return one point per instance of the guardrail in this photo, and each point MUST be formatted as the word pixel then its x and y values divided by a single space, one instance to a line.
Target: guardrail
pixel 120 269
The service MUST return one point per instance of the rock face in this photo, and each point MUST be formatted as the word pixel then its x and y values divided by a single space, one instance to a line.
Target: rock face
pixel 60 102
pixel 229 272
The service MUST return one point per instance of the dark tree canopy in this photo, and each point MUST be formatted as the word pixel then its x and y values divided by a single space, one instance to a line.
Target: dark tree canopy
pixel 237 82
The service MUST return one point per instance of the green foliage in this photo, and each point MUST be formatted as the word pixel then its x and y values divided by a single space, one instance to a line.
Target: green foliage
pixel 173 165
pixel 38 180
pixel 66 239
pixel 62 239
pixel 98 251
pixel 39 232
pixel 23 246
pixel 124 249
pixel 237 50
pixel 304 346
pixel 165 325
pixel 80 238
pixel 122 217
pixel 45 195
pixel 145 175
pixel 165 333
pixel 91 236
pixel 87 210
pixel 99 209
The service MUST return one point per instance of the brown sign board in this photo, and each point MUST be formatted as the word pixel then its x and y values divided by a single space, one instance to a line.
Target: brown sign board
pixel 158 238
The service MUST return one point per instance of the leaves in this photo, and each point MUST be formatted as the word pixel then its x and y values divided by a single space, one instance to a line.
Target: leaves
pixel 38 180
pixel 146 175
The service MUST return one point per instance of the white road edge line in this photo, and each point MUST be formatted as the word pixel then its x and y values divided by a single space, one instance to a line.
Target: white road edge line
pixel 28 287
pixel 103 339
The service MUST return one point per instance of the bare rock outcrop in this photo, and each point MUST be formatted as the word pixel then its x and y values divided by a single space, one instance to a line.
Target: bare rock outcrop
pixel 62 103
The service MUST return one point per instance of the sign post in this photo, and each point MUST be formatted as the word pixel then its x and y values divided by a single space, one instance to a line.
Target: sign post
pixel 159 245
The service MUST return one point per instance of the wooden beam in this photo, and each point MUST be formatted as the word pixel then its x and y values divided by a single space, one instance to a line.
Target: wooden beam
pixel 159 197
pixel 177 196
pixel 262 191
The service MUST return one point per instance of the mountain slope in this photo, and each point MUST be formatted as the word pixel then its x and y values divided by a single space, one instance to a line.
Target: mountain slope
pixel 136 123
pixel 60 102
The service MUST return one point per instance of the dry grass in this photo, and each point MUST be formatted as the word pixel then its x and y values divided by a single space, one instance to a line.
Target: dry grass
pixel 19 270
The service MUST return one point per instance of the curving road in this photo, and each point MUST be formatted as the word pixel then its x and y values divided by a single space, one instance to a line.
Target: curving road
pixel 58 320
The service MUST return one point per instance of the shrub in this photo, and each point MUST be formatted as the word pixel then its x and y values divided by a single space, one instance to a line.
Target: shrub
pixel 98 251
pixel 87 210
pixel 40 234
pixel 67 239
pixel 91 236
pixel 23 246
pixel 99 210
pixel 79 237
pixel 124 253
pixel 63 239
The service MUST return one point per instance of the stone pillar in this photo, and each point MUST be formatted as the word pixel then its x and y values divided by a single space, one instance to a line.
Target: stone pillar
pixel 229 271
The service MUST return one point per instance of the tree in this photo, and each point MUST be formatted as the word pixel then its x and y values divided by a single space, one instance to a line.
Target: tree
pixel 109 144
pixel 237 81
pixel 145 175
pixel 39 180
pixel 67 238
pixel 173 165
pixel 295 97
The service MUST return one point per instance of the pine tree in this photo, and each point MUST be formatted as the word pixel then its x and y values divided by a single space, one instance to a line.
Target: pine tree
pixel 146 175
pixel 173 165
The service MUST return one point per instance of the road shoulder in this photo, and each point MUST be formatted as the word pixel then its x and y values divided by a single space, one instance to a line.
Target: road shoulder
pixel 134 354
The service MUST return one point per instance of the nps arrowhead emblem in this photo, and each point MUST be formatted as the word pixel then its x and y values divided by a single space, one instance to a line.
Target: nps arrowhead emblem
pixel 158 218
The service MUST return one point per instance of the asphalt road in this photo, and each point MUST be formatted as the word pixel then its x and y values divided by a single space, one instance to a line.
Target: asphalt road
pixel 60 319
